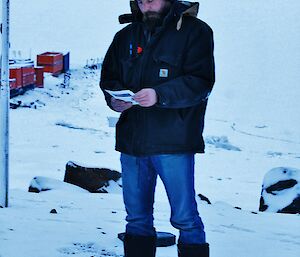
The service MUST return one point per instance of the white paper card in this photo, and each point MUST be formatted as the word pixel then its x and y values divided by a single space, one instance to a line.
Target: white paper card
pixel 124 95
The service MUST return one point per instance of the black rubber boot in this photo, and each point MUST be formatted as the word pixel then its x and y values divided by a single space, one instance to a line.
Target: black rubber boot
pixel 185 250
pixel 139 246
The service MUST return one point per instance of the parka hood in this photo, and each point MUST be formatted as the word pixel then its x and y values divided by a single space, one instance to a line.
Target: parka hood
pixel 185 8
pixel 179 8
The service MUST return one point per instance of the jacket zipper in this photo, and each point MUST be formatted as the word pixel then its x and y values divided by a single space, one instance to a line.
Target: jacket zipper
pixel 141 117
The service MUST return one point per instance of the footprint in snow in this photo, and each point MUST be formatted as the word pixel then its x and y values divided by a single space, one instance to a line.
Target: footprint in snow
pixel 89 248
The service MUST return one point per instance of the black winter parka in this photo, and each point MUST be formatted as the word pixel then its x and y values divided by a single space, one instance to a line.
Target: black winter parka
pixel 177 62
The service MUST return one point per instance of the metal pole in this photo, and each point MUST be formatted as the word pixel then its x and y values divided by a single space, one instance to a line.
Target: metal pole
pixel 4 106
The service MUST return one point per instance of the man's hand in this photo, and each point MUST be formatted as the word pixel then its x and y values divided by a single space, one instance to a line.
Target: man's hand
pixel 120 106
pixel 146 97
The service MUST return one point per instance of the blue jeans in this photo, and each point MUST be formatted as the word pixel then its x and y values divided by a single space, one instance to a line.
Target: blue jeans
pixel 176 171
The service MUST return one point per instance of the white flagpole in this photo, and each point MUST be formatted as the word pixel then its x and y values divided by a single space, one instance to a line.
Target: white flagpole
pixel 4 106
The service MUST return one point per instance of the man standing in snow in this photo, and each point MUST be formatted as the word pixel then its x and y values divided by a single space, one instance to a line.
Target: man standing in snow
pixel 165 56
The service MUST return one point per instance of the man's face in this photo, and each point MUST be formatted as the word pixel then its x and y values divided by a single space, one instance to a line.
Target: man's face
pixel 153 7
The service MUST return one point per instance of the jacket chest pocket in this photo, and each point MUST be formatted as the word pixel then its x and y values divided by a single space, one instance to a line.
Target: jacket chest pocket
pixel 167 66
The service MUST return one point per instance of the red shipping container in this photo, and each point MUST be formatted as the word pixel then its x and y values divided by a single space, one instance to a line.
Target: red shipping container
pixel 12 84
pixel 27 75
pixel 49 58
pixel 28 80
pixel 16 73
pixel 39 76
pixel 56 68
pixel 27 70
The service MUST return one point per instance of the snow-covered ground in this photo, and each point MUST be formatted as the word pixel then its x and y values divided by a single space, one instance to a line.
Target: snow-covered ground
pixel 252 126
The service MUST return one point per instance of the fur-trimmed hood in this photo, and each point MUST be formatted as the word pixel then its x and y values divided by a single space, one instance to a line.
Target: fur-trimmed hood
pixel 179 8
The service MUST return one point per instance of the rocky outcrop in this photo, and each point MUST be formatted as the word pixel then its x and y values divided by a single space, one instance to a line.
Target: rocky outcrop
pixel 95 180
pixel 281 191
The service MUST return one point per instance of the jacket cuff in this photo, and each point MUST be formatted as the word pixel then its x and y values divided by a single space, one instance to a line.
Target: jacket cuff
pixel 161 100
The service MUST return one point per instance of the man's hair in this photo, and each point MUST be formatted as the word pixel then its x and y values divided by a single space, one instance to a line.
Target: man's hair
pixel 135 12
pixel 165 0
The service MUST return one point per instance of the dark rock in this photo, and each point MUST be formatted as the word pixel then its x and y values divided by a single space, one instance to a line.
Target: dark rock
pixel 15 105
pixel 92 179
pixel 262 205
pixel 204 198
pixel 293 208
pixel 32 189
pixel 53 211
pixel 281 185
pixel 163 239
pixel 281 191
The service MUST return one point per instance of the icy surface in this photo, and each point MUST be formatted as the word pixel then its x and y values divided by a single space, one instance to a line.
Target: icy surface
pixel 254 106
pixel 88 224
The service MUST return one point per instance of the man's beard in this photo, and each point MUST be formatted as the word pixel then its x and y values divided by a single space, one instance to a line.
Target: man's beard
pixel 155 19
